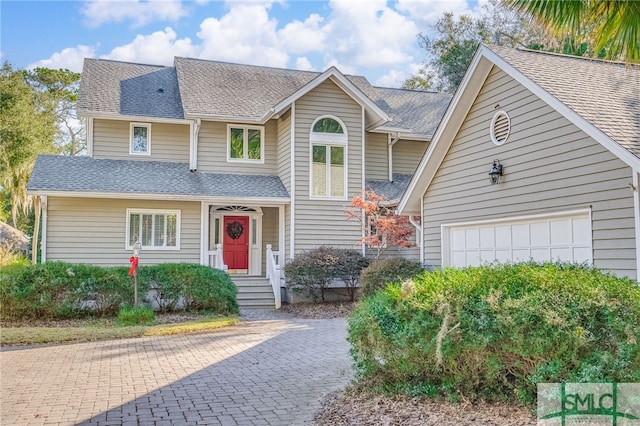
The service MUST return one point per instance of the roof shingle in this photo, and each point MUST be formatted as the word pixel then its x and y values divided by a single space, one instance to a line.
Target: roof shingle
pixel 86 174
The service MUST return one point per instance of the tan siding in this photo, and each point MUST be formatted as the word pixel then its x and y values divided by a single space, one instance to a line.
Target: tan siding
pixel 93 230
pixel 212 151
pixel 319 222
pixel 550 165
pixel 376 156
pixel 284 150
pixel 169 142
pixel 407 155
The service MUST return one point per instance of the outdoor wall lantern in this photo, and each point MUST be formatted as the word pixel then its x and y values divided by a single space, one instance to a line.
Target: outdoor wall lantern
pixel 496 172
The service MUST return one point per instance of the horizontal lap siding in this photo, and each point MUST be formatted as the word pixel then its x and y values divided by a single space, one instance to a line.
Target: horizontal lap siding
pixel 169 142
pixel 323 222
pixel 376 156
pixel 93 230
pixel 550 165
pixel 212 151
pixel 407 155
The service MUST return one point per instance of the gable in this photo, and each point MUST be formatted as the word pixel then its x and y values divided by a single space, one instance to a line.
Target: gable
pixel 473 81
pixel 550 166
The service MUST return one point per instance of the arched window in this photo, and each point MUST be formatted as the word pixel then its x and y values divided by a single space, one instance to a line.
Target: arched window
pixel 328 158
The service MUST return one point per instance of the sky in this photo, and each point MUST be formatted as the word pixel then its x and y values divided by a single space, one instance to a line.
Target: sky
pixel 374 38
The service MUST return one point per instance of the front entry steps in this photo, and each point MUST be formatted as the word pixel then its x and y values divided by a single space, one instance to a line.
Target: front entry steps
pixel 254 292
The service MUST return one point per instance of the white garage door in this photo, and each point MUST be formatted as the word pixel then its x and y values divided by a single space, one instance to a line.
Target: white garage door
pixel 564 237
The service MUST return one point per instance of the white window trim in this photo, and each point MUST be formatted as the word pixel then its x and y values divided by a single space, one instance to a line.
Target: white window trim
pixel 148 126
pixel 329 140
pixel 128 246
pixel 245 144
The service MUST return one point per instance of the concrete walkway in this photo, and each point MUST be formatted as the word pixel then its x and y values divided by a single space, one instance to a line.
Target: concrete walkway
pixel 270 369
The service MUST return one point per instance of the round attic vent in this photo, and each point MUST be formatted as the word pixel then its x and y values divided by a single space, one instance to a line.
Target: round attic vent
pixel 500 127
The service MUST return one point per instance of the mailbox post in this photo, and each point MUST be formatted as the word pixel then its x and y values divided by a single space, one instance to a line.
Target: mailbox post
pixel 134 270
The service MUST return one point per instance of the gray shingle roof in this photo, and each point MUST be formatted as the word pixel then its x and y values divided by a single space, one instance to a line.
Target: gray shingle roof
pixel 392 191
pixel 201 88
pixel 233 90
pixel 606 94
pixel 419 111
pixel 13 238
pixel 114 87
pixel 86 174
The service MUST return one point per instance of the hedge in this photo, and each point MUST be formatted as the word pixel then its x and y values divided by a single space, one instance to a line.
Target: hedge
pixel 494 332
pixel 58 290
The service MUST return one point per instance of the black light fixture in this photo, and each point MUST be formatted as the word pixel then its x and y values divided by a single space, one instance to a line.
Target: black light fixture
pixel 496 172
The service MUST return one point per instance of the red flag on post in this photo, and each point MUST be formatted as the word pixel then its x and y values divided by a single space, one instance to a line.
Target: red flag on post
pixel 134 265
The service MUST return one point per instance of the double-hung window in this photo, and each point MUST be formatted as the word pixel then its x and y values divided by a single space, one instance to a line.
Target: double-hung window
pixel 245 143
pixel 140 139
pixel 155 229
pixel 328 158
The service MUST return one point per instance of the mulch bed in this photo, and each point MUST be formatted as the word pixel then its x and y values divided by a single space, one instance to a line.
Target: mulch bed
pixel 356 408
pixel 326 310
pixel 84 322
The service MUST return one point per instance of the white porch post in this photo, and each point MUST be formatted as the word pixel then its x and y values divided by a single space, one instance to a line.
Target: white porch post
pixel 204 233
pixel 281 234
pixel 43 240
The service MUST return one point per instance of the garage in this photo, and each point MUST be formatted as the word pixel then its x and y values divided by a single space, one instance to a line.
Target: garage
pixel 555 237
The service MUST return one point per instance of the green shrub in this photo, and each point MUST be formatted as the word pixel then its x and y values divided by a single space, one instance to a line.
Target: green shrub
pixel 314 270
pixel 494 332
pixel 141 315
pixel 57 290
pixel 382 272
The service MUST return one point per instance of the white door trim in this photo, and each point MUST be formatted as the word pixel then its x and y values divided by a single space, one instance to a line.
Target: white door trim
pixel 255 246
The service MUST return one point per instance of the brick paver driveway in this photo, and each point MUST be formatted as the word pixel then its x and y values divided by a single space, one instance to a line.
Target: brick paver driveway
pixel 268 370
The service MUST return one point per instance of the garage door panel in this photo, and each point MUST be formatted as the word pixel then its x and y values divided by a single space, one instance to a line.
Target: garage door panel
pixel 561 232
pixel 540 255
pixel 503 236
pixel 487 237
pixel 472 238
pixel 581 231
pixel 581 254
pixel 540 235
pixel 520 235
pixel 557 238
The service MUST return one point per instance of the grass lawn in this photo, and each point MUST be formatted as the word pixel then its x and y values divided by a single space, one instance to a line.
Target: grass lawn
pixel 104 330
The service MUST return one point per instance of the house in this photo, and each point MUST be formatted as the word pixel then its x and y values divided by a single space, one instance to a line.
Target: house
pixel 562 136
pixel 233 166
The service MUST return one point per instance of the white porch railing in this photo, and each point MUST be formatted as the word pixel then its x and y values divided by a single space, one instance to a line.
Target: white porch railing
pixel 274 273
pixel 216 260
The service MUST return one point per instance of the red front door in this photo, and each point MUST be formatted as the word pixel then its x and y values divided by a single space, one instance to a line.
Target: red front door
pixel 236 242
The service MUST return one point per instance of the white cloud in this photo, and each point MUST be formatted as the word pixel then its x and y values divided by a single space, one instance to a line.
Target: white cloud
pixel 98 12
pixel 303 37
pixel 427 12
pixel 246 34
pixel 369 34
pixel 70 58
pixel 304 64
pixel 158 48
pixel 394 78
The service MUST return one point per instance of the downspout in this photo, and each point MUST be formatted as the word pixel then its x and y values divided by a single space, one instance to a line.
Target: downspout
pixel 421 230
pixel 292 162
pixel 636 209
pixel 89 134
pixel 364 224
pixel 390 143
pixel 194 128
